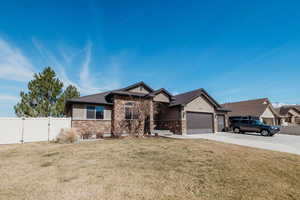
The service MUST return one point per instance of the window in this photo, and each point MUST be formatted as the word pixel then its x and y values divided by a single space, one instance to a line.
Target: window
pixel 129 111
pixel 90 112
pixel 94 112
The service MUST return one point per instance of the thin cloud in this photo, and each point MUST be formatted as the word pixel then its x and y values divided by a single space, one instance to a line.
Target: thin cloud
pixel 5 97
pixel 85 76
pixel 13 64
pixel 87 83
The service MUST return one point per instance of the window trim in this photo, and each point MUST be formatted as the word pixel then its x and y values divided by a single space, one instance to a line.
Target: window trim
pixel 95 112
pixel 126 105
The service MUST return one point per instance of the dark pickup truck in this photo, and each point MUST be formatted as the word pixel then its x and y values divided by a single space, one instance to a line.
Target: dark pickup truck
pixel 252 125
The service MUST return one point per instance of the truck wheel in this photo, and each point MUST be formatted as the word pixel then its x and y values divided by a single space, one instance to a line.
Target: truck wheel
pixel 236 130
pixel 265 133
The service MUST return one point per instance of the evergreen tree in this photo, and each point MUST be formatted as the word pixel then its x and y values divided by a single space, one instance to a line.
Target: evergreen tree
pixel 70 92
pixel 45 96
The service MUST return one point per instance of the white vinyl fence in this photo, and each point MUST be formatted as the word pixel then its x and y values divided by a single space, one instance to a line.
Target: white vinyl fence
pixel 18 130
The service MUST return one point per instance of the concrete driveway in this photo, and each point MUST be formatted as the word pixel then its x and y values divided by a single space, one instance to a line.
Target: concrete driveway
pixel 279 142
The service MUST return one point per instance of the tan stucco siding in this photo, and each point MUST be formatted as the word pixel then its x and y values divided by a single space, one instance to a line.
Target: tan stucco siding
pixel 161 97
pixel 107 114
pixel 139 89
pixel 267 114
pixel 200 105
pixel 79 112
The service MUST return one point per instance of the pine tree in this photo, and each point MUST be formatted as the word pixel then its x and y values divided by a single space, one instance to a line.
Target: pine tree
pixel 45 96
pixel 70 92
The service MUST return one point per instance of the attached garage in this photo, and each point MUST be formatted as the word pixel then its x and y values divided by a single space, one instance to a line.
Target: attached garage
pixel 198 112
pixel 199 122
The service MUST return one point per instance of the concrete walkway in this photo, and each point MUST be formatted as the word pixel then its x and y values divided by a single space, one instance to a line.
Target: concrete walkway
pixel 283 143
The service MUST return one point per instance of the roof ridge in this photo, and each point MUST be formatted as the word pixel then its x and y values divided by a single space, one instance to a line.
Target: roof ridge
pixel 162 90
pixel 199 89
pixel 93 94
pixel 119 89
pixel 245 101
pixel 136 84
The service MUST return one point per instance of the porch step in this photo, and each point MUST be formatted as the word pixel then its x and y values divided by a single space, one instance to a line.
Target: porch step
pixel 162 132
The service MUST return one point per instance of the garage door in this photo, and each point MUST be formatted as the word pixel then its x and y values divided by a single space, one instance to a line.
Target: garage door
pixel 221 123
pixel 199 123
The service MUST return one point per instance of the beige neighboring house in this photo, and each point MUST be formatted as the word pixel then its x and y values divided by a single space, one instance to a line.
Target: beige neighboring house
pixel 257 108
pixel 290 115
pixel 187 113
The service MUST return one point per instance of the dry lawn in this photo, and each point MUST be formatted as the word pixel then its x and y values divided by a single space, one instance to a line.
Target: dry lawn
pixel 146 169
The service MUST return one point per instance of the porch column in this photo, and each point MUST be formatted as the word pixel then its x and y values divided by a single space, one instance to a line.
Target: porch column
pixel 183 121
pixel 293 119
pixel 215 123
pixel 151 117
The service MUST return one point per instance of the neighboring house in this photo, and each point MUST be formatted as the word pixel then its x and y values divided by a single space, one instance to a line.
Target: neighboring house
pixel 290 115
pixel 257 108
pixel 187 113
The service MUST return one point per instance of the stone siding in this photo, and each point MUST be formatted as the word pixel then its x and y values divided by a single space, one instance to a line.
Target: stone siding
pixel 92 127
pixel 118 116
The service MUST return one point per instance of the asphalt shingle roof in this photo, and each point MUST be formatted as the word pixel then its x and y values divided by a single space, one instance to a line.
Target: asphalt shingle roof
pixel 254 107
pixel 180 99
pixel 99 98
pixel 284 110
pixel 186 97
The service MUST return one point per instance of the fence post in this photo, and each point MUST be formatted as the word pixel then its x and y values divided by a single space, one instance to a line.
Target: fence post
pixel 49 118
pixel 22 133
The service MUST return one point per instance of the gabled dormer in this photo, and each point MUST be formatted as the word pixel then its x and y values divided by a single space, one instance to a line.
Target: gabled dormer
pixel 162 95
pixel 139 87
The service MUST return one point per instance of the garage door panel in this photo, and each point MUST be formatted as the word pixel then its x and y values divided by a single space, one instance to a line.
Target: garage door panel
pixel 199 123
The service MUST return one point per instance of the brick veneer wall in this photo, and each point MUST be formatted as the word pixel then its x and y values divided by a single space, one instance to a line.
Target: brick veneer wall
pixel 175 126
pixel 98 127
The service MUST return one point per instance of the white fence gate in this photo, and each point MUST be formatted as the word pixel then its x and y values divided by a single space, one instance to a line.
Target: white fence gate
pixel 17 130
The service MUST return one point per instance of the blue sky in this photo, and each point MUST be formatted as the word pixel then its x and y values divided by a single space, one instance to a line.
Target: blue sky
pixel 236 50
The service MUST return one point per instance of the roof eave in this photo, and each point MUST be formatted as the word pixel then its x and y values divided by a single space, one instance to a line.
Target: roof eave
pixel 88 102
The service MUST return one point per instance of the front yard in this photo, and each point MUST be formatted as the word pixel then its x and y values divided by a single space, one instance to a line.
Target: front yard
pixel 146 169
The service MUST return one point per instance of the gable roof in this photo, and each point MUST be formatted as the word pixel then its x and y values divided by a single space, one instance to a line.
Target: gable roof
pixel 180 99
pixel 161 90
pixel 141 83
pixel 284 110
pixel 99 98
pixel 297 107
pixel 102 98
pixel 185 98
pixel 255 107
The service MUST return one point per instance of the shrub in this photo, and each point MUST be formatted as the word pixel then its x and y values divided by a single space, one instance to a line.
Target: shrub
pixel 68 135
